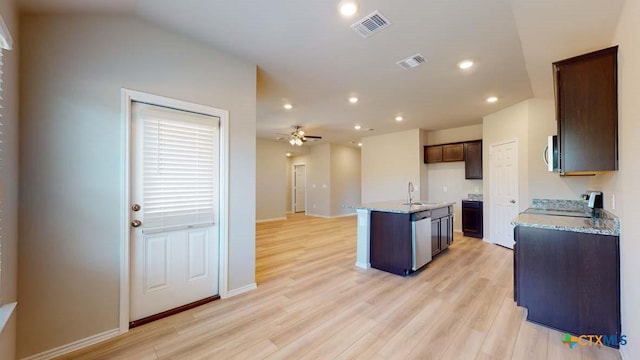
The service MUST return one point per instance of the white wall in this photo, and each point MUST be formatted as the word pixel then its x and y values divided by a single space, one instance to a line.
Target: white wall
pixel 9 179
pixel 464 133
pixel 389 162
pixel 531 122
pixel 72 69
pixel 319 180
pixel 333 178
pixel 505 125
pixel 271 179
pixel 626 181
pixel 451 175
pixel 345 178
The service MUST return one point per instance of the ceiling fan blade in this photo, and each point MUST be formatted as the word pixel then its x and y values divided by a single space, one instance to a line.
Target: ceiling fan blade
pixel 313 137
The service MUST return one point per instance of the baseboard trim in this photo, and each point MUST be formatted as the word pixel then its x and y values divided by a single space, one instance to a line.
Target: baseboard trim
pixel 76 345
pixel 240 290
pixel 330 217
pixel 363 265
pixel 269 220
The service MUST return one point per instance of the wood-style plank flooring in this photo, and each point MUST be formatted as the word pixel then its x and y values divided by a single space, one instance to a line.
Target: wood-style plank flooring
pixel 313 303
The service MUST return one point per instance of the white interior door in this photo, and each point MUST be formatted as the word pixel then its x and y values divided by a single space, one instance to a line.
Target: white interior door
pixel 503 166
pixel 299 187
pixel 174 210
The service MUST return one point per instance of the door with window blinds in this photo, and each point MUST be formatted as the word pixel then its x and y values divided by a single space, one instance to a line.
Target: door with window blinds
pixel 174 209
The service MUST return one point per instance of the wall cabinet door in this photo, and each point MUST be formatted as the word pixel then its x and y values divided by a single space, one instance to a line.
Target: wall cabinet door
pixel 433 154
pixel 473 160
pixel 453 152
pixel 587 110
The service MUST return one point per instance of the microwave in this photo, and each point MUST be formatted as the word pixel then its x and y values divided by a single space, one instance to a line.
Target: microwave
pixel 551 154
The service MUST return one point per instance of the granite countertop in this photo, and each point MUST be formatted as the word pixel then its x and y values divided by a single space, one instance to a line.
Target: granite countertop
pixel 397 207
pixel 605 224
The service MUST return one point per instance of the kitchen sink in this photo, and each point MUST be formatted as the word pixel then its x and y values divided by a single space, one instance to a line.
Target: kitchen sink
pixel 420 203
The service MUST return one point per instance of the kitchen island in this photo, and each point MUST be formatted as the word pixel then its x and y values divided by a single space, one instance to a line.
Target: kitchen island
pixel 400 238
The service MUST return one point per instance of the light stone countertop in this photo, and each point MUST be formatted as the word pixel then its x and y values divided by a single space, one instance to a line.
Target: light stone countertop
pixel 607 225
pixel 397 207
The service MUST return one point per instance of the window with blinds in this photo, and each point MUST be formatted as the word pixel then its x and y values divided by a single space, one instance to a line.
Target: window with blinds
pixel 180 165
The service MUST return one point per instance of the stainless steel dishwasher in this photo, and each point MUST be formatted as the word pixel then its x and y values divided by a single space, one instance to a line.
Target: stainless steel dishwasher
pixel 420 239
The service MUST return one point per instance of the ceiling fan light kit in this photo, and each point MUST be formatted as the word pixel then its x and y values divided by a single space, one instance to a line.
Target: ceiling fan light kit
pixel 298 137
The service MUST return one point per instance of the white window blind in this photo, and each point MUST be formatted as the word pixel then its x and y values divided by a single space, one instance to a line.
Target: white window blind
pixel 180 164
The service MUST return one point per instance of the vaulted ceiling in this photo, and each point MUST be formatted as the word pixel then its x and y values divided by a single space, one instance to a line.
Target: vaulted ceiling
pixel 308 55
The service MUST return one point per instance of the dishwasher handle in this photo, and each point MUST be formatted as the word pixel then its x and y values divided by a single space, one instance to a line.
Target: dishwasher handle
pixel 420 215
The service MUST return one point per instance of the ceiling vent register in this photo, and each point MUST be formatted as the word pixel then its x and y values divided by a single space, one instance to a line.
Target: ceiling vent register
pixel 412 61
pixel 370 24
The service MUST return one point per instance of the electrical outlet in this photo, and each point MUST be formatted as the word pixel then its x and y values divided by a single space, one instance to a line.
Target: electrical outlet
pixel 314 206
pixel 477 189
pixel 445 189
pixel 613 201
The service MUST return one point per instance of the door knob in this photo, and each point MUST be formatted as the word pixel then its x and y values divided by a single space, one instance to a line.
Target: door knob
pixel 136 223
pixel 135 207
pixel 512 201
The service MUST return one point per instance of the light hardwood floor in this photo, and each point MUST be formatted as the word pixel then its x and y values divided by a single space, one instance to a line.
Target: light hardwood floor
pixel 313 303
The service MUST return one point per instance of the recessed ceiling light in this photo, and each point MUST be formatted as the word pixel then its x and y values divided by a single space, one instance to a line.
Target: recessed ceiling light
pixel 353 99
pixel 359 144
pixel 466 64
pixel 399 118
pixel 348 7
pixel 288 154
pixel 288 106
pixel 357 127
pixel 492 99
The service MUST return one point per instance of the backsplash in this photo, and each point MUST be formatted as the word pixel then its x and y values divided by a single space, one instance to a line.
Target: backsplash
pixel 557 204
pixel 475 197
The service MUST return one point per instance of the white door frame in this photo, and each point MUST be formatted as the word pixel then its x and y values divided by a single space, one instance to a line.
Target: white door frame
pixel 293 187
pixel 128 96
pixel 491 195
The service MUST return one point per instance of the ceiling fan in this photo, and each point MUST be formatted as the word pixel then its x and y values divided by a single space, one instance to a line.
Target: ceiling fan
pixel 298 137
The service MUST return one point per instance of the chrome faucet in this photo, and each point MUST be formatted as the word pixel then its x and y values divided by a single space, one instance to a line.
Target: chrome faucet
pixel 410 190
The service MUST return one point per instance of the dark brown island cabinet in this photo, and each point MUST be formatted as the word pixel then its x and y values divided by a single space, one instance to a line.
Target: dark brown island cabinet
pixel 441 229
pixel 586 90
pixel 390 238
pixel 472 218
pixel 470 152
pixel 569 281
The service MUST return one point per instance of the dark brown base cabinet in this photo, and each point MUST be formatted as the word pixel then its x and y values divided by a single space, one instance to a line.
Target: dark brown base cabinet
pixel 390 238
pixel 441 229
pixel 568 281
pixel 390 242
pixel 472 219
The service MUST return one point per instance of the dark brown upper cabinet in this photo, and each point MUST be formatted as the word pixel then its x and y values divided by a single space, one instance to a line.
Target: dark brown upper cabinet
pixel 433 154
pixel 453 152
pixel 586 94
pixel 470 152
pixel 473 160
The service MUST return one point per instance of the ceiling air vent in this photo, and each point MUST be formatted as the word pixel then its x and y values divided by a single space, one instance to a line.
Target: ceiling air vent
pixel 412 61
pixel 370 24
